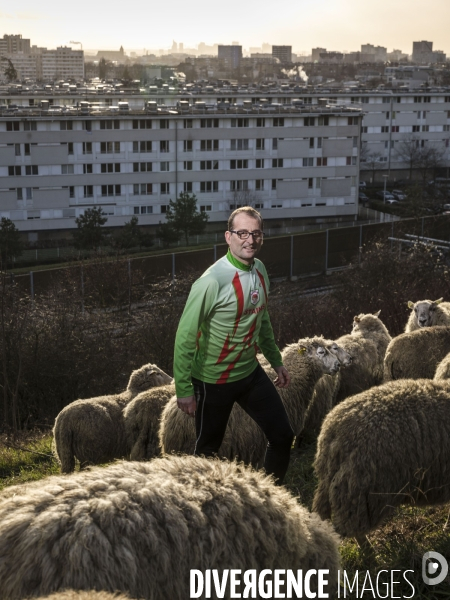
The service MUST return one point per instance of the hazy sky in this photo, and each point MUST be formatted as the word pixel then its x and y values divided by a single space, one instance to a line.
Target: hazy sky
pixel 332 24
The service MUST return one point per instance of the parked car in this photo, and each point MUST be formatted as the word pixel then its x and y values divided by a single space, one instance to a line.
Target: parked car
pixel 391 201
pixel 362 197
pixel 399 194
pixel 386 195
pixel 362 184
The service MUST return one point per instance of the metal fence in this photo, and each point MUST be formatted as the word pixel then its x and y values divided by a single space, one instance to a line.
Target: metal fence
pixel 286 256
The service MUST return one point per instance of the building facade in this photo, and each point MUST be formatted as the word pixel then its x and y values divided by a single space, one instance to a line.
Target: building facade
pixel 283 53
pixel 230 55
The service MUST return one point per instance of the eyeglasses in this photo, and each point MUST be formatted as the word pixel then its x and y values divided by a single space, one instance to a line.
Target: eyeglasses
pixel 244 235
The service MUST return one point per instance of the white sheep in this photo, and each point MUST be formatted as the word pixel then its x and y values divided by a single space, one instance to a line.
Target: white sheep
pixel 416 354
pixel 140 527
pixel 92 430
pixel 427 313
pixel 387 446
pixel 443 368
pixel 306 362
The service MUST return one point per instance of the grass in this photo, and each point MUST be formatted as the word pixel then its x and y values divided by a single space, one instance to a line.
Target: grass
pixel 398 545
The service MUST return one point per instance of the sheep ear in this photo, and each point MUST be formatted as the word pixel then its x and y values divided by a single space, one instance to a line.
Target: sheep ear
pixel 356 319
pixel 438 301
pixel 410 304
pixel 377 314
pixel 301 349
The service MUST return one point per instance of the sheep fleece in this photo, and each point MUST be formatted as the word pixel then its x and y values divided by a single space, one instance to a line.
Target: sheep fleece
pixel 139 528
pixel 387 446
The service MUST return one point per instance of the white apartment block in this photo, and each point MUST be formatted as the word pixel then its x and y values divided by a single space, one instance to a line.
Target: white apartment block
pixel 288 162
pixel 49 65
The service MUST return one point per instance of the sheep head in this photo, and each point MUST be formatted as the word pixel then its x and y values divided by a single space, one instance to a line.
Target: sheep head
pixel 318 353
pixel 344 358
pixel 424 311
pixel 147 377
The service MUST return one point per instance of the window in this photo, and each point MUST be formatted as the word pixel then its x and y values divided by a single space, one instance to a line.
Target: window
pixel 17 149
pixel 323 120
pixel 209 165
pixel 275 144
pixel 259 184
pixel 165 188
pixel 260 143
pixel 144 167
pixel 142 189
pixel 187 123
pixel 207 123
pixel 205 207
pixel 70 148
pixel 309 121
pixel 110 168
pixel 425 128
pixel 209 145
pixel 239 185
pixel 71 191
pixel 239 122
pixel 446 128
pixel 310 182
pixel 12 126
pixel 88 191
pixel 29 126
pixel 143 210
pixel 187 186
pixel 187 146
pixel 385 129
pixel 322 161
pixel 109 124
pixel 350 160
pixel 187 165
pixel 87 125
pixel 386 100
pixel 209 186
pixel 238 164
pixel 260 122
pixel 387 115
pixel 87 148
pixel 417 99
pixel 142 147
pixel 27 149
pixel 142 124
pixel 65 169
pixel 352 120
pixel 395 128
pixel 319 142
pixel 416 128
pixel 259 205
pixel 109 147
pixel 87 169
pixel 355 142
pixel 12 171
pixel 66 125
pixel 274 184
pixel 364 129
pixel 260 163
pixel 164 208
pixel 110 190
pixel 364 100
pixel 318 182
pixel 164 146
pixel 309 162
pixel 164 124
pixel 164 166
pixel 277 163
pixel 311 142
pixel 19 194
pixel 278 122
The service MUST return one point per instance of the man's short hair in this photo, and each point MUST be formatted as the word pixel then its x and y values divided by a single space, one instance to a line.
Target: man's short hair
pixel 248 210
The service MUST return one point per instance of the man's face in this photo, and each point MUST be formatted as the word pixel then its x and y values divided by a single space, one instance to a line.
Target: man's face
pixel 244 250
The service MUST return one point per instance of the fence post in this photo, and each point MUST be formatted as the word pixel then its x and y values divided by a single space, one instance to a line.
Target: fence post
pixel 31 285
pixel 82 288
pixel 326 252
pixel 173 266
pixel 292 257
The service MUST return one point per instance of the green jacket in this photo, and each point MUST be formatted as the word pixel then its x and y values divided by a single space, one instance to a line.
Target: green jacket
pixel 224 322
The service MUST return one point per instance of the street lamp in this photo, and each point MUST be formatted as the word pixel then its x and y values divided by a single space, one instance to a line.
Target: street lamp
pixel 384 193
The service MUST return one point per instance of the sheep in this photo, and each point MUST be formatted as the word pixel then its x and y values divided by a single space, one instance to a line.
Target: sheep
pixel 427 313
pixel 416 355
pixel 306 362
pixel 140 527
pixel 386 446
pixel 93 430
pixel 367 344
pixel 443 369
pixel 90 595
pixel 142 419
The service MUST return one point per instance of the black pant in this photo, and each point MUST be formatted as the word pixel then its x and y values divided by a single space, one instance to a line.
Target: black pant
pixel 257 395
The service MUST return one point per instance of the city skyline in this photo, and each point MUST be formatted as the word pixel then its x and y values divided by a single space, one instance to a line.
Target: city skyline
pixel 341 25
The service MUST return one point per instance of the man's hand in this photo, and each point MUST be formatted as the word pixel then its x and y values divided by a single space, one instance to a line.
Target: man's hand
pixel 283 378
pixel 187 405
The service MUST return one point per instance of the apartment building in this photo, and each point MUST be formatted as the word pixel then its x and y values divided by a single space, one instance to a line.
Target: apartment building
pixel 283 53
pixel 48 65
pixel 287 161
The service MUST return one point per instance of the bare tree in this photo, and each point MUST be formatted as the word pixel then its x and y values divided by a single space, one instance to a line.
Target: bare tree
pixel 409 151
pixel 430 159
pixel 369 160
pixel 243 198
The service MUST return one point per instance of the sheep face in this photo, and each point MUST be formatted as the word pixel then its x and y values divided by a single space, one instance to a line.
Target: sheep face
pixel 344 358
pixel 367 322
pixel 321 356
pixel 147 377
pixel 424 311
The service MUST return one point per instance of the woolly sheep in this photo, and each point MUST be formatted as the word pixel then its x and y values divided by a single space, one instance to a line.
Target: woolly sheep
pixel 306 362
pixel 92 430
pixel 139 527
pixel 367 344
pixel 142 419
pixel 416 355
pixel 387 446
pixel 443 369
pixel 427 313
pixel 90 595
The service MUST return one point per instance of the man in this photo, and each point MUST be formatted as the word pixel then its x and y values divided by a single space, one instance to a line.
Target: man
pixel 224 322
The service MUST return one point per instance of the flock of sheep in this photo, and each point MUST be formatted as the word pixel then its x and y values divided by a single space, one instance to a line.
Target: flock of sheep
pixel 380 407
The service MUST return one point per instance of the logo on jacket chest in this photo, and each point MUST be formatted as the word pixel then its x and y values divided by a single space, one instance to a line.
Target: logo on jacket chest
pixel 254 296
